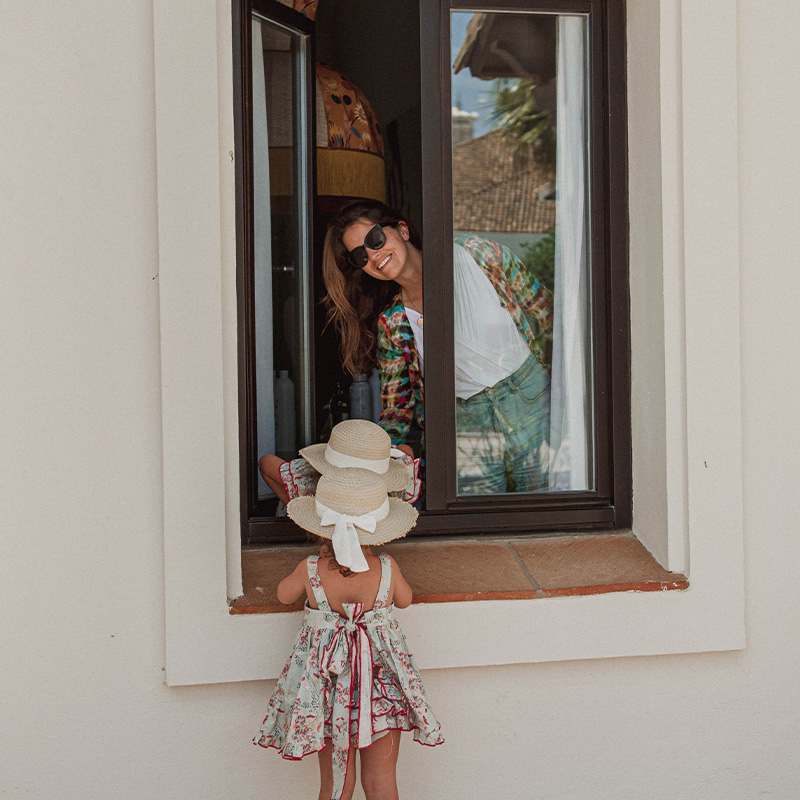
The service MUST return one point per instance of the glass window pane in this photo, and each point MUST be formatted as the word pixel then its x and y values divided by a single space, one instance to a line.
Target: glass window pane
pixel 281 266
pixel 523 348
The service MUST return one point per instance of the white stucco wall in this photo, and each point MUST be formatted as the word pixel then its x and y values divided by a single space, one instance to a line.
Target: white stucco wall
pixel 85 712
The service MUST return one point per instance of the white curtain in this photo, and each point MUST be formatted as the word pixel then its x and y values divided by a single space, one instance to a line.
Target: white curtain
pixel 571 401
pixel 262 224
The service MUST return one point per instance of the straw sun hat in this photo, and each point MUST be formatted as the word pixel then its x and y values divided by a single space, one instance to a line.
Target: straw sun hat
pixel 363 444
pixel 351 508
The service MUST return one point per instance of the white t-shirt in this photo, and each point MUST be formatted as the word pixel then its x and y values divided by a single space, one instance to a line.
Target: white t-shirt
pixel 489 347
pixel 415 320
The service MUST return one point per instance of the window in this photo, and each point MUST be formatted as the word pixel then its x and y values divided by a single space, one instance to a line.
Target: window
pixel 275 240
pixel 535 199
pixel 683 176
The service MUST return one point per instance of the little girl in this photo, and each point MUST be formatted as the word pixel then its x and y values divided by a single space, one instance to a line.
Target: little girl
pixel 350 683
pixel 353 443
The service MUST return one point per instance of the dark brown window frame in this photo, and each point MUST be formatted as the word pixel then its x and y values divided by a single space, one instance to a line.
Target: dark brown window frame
pixel 252 520
pixel 609 506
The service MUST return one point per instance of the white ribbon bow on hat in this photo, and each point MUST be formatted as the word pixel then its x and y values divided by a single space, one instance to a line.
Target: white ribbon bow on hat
pixel 379 465
pixel 346 547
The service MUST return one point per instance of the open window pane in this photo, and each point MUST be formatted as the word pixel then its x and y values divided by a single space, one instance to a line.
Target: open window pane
pixel 553 205
pixel 521 261
pixel 280 263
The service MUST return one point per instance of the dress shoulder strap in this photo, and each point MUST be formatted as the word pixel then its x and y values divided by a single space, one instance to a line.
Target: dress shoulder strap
pixel 312 565
pixel 382 598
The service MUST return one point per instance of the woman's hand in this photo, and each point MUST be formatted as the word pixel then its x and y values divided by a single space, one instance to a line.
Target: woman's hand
pixel 406 449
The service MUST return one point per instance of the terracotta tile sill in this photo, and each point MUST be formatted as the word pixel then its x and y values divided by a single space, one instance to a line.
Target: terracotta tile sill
pixel 466 570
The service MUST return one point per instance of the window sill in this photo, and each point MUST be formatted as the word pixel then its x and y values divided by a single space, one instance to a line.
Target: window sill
pixel 466 570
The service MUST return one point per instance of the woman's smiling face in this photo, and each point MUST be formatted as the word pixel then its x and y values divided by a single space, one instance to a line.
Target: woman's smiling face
pixel 387 262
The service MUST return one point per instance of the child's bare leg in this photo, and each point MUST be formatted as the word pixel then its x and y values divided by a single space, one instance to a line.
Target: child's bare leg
pixel 379 767
pixel 270 468
pixel 326 773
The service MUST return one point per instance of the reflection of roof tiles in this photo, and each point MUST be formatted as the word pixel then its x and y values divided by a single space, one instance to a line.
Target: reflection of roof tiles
pixel 495 189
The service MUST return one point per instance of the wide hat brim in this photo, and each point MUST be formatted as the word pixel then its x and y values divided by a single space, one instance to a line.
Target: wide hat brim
pixel 396 477
pixel 401 519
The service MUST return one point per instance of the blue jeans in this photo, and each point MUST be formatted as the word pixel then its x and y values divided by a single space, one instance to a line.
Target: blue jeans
pixel 502 434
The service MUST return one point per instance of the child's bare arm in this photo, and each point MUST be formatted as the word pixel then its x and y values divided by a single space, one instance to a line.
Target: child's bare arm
pixel 293 587
pixel 402 591
pixel 270 468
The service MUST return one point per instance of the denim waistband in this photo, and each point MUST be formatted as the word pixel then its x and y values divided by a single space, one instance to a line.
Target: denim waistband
pixel 510 384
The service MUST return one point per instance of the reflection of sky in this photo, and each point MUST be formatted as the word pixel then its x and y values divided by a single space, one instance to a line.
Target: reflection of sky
pixel 470 94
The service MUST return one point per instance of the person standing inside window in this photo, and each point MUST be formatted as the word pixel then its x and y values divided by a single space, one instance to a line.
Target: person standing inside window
pixel 372 266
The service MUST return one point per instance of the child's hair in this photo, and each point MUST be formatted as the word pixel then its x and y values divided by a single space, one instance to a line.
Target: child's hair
pixel 327 552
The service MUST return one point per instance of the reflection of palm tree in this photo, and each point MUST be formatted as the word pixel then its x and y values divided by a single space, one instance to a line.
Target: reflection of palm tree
pixel 518 117
pixel 540 258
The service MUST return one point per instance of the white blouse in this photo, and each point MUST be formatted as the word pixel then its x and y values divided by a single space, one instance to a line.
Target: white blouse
pixel 415 320
pixel 489 347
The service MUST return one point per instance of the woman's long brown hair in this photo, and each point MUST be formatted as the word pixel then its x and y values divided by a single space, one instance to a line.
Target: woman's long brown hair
pixel 354 300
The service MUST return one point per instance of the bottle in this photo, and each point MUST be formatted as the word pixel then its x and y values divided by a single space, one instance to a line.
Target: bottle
pixel 339 404
pixel 375 394
pixel 284 413
pixel 360 405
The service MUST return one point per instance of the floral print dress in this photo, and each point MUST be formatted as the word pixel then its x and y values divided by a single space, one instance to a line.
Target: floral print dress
pixel 350 679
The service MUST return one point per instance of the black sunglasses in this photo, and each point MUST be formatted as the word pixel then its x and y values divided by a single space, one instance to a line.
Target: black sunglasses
pixel 374 240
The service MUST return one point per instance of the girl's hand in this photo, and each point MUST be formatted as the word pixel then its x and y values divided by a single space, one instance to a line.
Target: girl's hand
pixel 406 449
